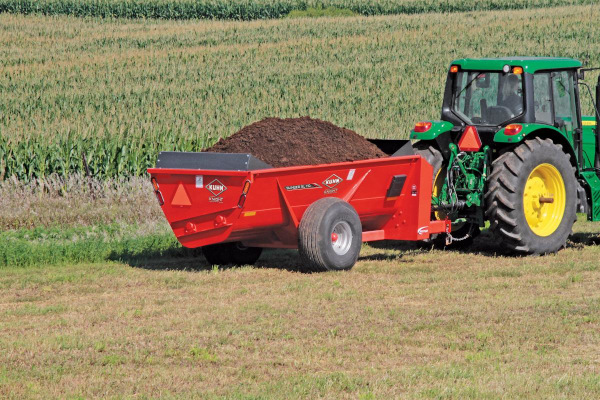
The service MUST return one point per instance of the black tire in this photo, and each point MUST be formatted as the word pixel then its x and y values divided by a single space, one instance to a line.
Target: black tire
pixel 231 253
pixel 505 203
pixel 467 231
pixel 317 249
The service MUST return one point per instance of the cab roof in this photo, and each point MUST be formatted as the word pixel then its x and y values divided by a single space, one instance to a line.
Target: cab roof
pixel 529 64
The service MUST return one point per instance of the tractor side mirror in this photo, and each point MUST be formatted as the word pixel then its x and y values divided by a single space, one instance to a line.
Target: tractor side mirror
pixel 581 74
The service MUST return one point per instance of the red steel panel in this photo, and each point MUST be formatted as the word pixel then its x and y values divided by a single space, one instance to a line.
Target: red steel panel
pixel 278 198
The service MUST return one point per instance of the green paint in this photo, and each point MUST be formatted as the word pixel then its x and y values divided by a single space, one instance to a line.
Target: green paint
pixel 437 128
pixel 529 64
pixel 593 184
pixel 468 174
pixel 501 137
pixel 589 141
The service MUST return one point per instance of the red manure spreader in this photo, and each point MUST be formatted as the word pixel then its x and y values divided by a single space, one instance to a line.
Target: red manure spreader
pixel 234 205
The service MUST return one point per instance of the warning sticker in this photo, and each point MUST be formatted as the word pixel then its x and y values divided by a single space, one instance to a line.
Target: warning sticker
pixel 199 181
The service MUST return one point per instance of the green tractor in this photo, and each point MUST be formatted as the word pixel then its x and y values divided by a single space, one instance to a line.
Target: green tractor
pixel 512 148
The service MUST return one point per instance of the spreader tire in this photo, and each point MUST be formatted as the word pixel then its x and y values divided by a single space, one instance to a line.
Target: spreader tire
pixel 231 253
pixel 329 236
pixel 532 197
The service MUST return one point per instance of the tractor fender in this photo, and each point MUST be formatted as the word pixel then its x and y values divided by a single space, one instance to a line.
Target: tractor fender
pixel 437 128
pixel 541 131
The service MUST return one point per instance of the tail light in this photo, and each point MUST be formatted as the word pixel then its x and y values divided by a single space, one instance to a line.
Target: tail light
pixel 513 129
pixel 422 127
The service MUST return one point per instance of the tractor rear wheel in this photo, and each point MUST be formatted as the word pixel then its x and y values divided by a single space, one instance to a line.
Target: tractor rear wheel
pixel 433 157
pixel 464 233
pixel 532 197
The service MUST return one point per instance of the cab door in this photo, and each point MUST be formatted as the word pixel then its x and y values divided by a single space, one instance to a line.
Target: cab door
pixel 565 101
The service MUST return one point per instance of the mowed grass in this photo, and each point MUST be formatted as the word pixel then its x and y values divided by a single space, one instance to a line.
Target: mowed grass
pixel 120 91
pixel 404 323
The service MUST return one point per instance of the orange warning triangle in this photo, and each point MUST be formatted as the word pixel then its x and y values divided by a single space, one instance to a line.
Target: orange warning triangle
pixel 470 140
pixel 181 198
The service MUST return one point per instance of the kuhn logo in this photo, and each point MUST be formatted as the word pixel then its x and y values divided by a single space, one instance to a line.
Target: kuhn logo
pixel 332 181
pixel 216 187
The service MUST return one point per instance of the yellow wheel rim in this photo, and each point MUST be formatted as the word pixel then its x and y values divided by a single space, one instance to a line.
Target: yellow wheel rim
pixel 544 199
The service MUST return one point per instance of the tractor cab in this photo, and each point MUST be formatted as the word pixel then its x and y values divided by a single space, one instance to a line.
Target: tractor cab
pixel 493 93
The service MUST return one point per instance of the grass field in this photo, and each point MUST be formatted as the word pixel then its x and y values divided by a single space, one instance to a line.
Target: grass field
pixel 121 90
pixel 404 323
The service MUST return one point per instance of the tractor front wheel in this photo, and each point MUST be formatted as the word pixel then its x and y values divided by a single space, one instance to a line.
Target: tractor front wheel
pixel 532 197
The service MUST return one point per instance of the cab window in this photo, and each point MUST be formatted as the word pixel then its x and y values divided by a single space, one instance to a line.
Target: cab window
pixel 542 99
pixel 565 108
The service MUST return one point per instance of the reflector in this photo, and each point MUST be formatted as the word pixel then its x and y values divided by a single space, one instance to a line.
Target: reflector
pixel 155 184
pixel 470 140
pixel 246 187
pixel 181 198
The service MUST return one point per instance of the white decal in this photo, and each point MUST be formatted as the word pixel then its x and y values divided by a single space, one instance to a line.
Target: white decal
pixel 423 230
pixel 199 181
pixel 350 175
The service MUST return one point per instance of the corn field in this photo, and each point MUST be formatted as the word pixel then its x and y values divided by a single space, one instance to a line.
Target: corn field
pixel 119 91
pixel 257 9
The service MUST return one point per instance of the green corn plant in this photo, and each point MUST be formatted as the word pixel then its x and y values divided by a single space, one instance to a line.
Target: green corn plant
pixel 121 91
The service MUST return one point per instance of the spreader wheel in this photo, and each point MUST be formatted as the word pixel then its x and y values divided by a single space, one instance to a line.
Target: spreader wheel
pixel 329 236
pixel 532 197
pixel 231 253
